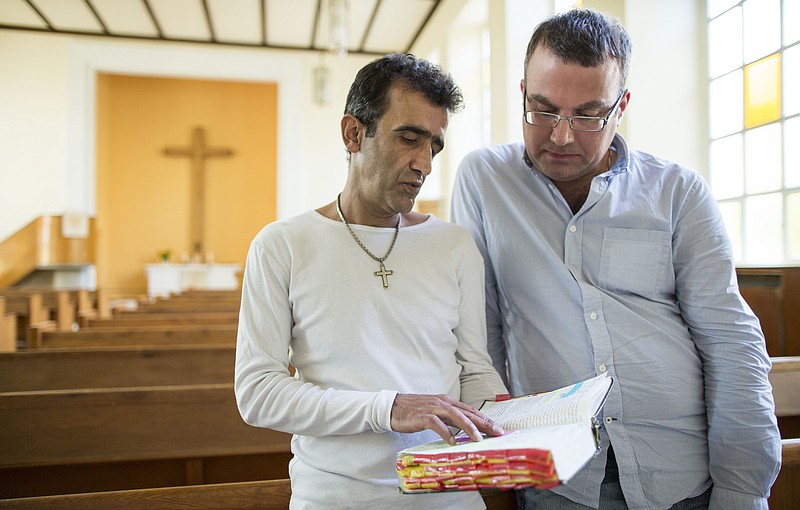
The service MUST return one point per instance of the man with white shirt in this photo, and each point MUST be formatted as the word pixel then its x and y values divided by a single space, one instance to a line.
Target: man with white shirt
pixel 378 308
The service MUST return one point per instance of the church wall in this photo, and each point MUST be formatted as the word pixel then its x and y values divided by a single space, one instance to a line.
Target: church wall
pixel 668 113
pixel 48 125
pixel 145 197
pixel 32 128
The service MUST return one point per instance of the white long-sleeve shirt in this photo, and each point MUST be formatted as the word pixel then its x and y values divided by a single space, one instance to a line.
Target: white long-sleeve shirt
pixel 310 298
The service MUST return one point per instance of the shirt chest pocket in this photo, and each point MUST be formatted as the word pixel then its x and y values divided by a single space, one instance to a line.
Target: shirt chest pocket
pixel 634 260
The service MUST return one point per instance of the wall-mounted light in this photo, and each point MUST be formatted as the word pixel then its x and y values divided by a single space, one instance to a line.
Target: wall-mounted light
pixel 322 87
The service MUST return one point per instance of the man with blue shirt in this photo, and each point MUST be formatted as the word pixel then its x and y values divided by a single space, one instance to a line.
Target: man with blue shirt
pixel 600 258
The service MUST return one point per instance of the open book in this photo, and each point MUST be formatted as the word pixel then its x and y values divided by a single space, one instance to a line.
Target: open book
pixel 549 437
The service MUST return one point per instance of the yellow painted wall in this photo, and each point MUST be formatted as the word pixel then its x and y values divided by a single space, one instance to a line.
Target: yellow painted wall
pixel 143 197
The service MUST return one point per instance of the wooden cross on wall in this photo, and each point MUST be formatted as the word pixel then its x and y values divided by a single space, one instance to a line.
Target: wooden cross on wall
pixel 198 151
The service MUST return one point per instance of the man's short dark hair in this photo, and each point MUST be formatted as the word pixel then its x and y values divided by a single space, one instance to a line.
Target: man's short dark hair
pixel 585 37
pixel 368 98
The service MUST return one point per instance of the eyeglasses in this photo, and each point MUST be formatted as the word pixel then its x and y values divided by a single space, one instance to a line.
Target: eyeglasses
pixel 576 122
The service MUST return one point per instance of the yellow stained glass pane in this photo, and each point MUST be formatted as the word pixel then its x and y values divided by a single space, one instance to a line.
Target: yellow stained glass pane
pixel 762 91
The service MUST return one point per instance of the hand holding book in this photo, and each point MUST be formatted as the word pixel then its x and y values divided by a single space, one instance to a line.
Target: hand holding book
pixel 413 413
pixel 550 437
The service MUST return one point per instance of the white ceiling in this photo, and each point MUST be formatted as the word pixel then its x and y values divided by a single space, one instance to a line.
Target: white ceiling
pixel 375 26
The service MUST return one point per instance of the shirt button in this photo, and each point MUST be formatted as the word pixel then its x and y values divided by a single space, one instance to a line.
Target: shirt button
pixel 608 419
pixel 593 316
pixel 602 367
pixel 573 228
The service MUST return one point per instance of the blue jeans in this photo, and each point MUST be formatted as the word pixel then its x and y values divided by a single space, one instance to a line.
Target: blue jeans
pixel 611 497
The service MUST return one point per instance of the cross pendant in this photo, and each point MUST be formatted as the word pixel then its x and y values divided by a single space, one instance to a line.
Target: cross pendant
pixel 383 273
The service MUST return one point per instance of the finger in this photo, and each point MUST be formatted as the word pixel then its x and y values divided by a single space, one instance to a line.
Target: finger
pixel 411 413
pixel 435 424
pixel 470 420
pixel 461 405
pixel 486 424
pixel 483 422
pixel 463 420
pixel 478 425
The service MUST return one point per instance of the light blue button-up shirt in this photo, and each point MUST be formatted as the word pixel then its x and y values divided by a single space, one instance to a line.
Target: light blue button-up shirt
pixel 639 283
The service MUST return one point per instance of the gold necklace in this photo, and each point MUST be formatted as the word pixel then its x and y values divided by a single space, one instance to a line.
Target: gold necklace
pixel 382 272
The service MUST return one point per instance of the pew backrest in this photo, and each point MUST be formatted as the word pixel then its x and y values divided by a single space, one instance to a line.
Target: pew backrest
pixel 164 319
pixel 186 306
pixel 65 307
pixel 260 495
pixel 112 367
pixel 71 441
pixel 8 329
pixel 114 424
pixel 785 379
pixel 48 337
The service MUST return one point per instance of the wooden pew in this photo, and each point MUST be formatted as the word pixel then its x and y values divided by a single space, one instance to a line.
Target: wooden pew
pixel 774 295
pixel 786 490
pixel 275 494
pixel 164 319
pixel 189 302
pixel 8 329
pixel 28 309
pixel 197 295
pixel 45 336
pixel 92 305
pixel 66 308
pixel 185 306
pixel 259 495
pixel 115 367
pixel 785 379
pixel 62 305
pixel 207 295
pixel 784 493
pixel 88 440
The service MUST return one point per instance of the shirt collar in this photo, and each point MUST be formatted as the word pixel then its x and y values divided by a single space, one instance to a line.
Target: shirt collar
pixel 622 162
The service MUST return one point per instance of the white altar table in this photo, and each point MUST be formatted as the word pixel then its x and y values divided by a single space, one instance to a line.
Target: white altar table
pixel 164 279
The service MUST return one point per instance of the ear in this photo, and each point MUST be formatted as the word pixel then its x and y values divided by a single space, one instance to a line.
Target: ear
pixel 352 131
pixel 623 104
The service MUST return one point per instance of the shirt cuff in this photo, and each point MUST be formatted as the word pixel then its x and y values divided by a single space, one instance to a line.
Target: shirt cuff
pixel 726 499
pixel 382 410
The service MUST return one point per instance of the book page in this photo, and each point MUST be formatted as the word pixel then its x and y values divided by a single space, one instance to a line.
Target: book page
pixel 576 403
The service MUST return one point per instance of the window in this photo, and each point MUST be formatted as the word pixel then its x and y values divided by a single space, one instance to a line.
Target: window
pixel 754 125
